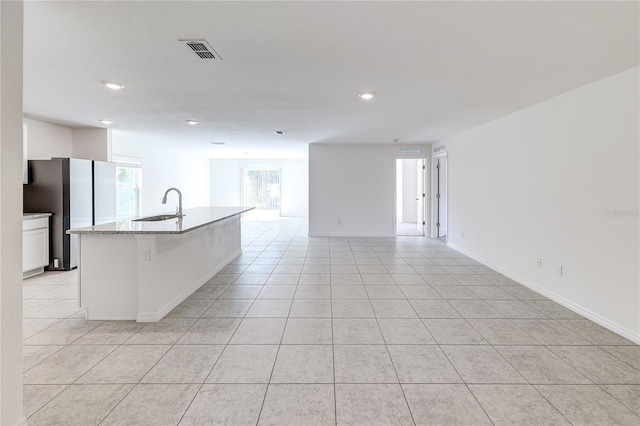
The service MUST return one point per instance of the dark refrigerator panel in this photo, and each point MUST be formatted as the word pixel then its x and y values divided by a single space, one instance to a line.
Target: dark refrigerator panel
pixel 63 187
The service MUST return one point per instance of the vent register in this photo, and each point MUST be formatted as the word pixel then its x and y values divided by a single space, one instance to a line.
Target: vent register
pixel 202 49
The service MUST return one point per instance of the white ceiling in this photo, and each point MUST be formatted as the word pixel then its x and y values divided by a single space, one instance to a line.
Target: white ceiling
pixel 438 67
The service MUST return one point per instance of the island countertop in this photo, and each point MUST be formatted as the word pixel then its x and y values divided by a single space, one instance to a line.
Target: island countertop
pixel 29 216
pixel 192 219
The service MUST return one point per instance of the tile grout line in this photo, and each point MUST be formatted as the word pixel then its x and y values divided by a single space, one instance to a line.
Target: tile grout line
pixel 201 385
pixel 333 348
pixel 264 399
pixel 386 346
pixel 453 366
pixel 123 344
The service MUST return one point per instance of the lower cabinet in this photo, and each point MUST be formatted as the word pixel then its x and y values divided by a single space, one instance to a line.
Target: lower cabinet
pixel 35 246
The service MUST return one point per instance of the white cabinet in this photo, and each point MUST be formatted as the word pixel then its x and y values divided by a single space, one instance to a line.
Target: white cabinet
pixel 35 246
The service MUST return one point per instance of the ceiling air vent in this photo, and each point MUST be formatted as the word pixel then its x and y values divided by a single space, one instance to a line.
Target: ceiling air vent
pixel 202 49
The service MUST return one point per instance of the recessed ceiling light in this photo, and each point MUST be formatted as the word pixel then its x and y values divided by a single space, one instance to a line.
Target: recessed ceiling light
pixel 192 122
pixel 279 132
pixel 367 95
pixel 218 143
pixel 106 122
pixel 113 85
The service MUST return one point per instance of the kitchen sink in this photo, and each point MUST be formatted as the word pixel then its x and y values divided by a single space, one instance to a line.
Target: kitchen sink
pixel 157 218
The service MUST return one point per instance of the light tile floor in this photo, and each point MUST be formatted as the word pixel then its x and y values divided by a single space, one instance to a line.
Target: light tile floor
pixel 407 228
pixel 301 331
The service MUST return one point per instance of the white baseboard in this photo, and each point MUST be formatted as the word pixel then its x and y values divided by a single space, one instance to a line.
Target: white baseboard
pixel 587 313
pixel 350 235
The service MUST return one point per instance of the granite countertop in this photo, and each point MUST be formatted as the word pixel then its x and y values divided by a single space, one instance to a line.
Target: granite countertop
pixel 193 219
pixel 27 216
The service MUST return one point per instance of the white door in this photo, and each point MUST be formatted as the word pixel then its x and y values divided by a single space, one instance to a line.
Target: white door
pixel 420 197
pixel 442 196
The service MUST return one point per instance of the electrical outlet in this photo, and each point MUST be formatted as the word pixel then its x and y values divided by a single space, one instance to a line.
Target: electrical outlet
pixel 146 255
pixel 560 271
pixel 461 234
pixel 539 262
pixel 339 221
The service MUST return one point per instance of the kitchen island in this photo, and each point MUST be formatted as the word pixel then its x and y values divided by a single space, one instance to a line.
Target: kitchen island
pixel 141 270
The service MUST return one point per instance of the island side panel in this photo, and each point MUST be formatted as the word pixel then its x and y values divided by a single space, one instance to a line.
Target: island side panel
pixel 182 263
pixel 108 276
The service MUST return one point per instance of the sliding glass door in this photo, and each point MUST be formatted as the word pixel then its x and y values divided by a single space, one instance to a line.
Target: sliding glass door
pixel 262 191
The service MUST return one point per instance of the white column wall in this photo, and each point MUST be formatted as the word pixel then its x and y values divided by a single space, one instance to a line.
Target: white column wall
pixel 11 23
pixel 539 183
pixel 354 184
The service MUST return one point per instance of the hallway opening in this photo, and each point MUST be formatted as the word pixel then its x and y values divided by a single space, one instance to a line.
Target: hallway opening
pixel 410 207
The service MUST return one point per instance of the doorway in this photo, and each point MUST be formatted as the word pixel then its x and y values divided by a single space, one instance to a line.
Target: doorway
pixel 261 189
pixel 410 208
pixel 440 193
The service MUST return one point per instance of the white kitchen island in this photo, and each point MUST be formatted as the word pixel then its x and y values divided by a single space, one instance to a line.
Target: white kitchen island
pixel 132 270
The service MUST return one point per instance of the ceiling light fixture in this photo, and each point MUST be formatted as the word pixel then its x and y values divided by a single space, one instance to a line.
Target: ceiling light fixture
pixel 192 122
pixel 106 122
pixel 279 132
pixel 367 95
pixel 113 85
pixel 218 143
pixel 394 140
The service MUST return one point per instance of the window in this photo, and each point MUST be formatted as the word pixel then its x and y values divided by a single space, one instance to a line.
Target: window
pixel 128 187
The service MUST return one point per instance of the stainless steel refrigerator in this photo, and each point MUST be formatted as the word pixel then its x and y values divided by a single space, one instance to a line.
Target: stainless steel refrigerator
pixel 78 193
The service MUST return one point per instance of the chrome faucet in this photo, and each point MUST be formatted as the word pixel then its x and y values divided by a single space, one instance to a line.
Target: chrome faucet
pixel 164 200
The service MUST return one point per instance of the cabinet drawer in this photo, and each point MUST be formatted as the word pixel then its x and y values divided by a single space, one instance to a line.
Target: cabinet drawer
pixel 29 224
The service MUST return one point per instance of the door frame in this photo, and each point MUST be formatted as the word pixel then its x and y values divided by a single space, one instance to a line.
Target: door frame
pixel 427 186
pixel 434 191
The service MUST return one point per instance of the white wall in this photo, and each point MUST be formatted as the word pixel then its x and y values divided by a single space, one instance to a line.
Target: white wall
pixel 46 140
pixel 226 183
pixel 11 19
pixel 354 184
pixel 164 167
pixel 92 144
pixel 538 184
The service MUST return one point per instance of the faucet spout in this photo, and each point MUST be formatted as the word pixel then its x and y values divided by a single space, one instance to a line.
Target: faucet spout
pixel 164 200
